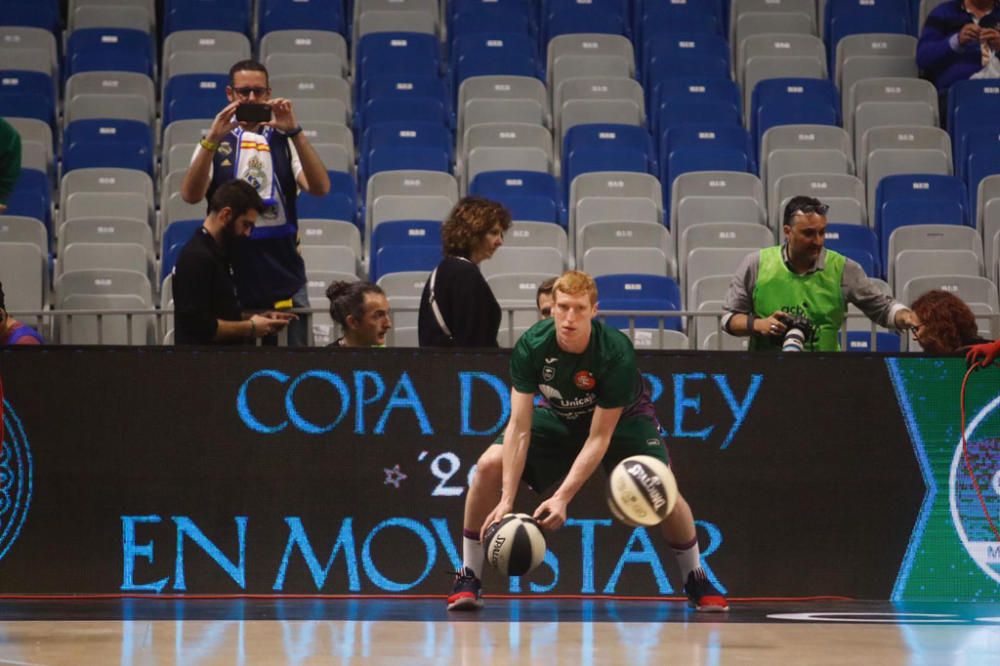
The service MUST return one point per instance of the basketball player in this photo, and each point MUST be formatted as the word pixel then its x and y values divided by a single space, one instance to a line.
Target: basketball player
pixel 598 411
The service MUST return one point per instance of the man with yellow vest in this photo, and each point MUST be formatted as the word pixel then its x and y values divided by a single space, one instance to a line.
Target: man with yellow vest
pixel 801 284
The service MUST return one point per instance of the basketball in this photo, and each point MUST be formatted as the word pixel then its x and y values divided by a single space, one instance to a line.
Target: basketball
pixel 514 544
pixel 642 491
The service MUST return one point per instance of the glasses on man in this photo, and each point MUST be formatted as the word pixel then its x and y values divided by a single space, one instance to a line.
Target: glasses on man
pixel 808 209
pixel 247 91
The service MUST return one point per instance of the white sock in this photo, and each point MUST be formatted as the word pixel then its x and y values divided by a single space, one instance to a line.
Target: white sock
pixel 472 552
pixel 688 557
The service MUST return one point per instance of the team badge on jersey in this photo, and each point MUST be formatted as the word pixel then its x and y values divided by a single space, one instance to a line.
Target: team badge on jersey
pixel 584 380
pixel 225 148
pixel 548 373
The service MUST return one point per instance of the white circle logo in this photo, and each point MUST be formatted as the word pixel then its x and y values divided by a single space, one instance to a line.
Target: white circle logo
pixel 983 438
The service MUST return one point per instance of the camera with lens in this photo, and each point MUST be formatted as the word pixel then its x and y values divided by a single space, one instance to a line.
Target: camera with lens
pixel 799 331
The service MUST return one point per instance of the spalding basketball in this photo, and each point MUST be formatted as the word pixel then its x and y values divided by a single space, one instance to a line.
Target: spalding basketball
pixel 514 544
pixel 642 491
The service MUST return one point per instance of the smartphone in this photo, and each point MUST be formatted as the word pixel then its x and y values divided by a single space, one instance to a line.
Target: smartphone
pixel 253 113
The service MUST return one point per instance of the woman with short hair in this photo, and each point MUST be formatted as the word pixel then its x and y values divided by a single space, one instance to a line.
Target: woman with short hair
pixel 457 307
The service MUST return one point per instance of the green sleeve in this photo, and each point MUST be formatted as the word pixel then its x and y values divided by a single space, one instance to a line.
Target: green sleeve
pixel 523 373
pixel 10 159
pixel 616 388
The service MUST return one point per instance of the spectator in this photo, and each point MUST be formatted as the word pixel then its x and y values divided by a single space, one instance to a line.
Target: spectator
pixel 457 307
pixel 959 39
pixel 943 323
pixel 362 310
pixel 10 161
pixel 277 159
pixel 803 281
pixel 205 299
pixel 543 298
pixel 13 332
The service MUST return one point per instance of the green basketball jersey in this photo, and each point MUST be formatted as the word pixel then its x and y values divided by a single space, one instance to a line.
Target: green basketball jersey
pixel 604 375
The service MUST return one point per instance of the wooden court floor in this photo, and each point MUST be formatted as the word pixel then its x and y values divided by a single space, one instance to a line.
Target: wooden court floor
pixel 580 633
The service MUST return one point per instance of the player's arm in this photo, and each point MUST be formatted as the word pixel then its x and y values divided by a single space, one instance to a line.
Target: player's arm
pixel 516 439
pixel 602 426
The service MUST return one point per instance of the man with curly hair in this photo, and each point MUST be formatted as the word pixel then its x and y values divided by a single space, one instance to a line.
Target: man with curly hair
pixel 457 307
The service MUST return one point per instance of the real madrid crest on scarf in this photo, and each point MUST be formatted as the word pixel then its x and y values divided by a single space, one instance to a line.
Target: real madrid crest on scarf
pixel 255 166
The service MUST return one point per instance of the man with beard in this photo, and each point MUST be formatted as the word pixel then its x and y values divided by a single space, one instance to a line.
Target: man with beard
pixel 205 302
pixel 802 285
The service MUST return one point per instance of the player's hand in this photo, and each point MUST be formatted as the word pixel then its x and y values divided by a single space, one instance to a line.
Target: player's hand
pixel 968 34
pixel 494 516
pixel 773 325
pixel 282 117
pixel 265 324
pixel 551 514
pixel 988 351
pixel 223 123
pixel 990 37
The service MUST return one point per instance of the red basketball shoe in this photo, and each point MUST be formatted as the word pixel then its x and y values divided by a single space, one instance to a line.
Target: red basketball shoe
pixel 468 591
pixel 702 595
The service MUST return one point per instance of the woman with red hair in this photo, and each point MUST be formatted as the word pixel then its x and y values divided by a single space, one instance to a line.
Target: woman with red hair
pixel 944 323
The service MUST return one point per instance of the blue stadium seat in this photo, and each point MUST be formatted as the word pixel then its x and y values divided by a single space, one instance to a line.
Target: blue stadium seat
pixel 857 242
pixel 400 258
pixel 109 49
pixel 340 203
pixel 630 291
pixel 388 98
pixel 682 112
pixel 301 15
pixel 25 94
pixel 695 54
pixel 667 19
pixel 975 97
pixel 127 144
pixel 190 96
pixel 44 14
pixel 853 17
pixel 405 54
pixel 399 236
pixel 528 195
pixel 485 54
pixel 175 237
pixel 566 17
pixel 972 105
pixel 792 101
pixel 917 199
pixel 231 15
pixel 861 341
pixel 479 16
pixel 706 90
pixel 404 145
pixel 705 136
pixel 606 147
pixel 983 159
pixel 32 197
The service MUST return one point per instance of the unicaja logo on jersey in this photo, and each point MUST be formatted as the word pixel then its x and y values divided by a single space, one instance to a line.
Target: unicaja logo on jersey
pixel 15 479
pixel 983 438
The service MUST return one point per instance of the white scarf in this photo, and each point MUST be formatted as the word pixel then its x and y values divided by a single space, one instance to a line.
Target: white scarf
pixel 255 166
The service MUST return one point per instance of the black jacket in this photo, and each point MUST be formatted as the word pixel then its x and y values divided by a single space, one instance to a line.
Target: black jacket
pixel 467 304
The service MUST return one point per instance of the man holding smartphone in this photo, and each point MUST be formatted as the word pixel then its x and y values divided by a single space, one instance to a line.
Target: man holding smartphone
pixel 257 139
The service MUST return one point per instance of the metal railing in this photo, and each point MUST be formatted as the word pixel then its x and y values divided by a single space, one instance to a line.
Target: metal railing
pixel 154 326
